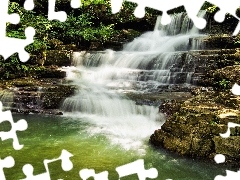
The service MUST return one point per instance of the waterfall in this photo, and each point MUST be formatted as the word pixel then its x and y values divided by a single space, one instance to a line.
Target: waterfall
pixel 7 98
pixel 150 62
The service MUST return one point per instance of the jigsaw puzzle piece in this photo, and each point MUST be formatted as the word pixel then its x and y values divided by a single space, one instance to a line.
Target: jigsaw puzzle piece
pixel 75 4
pixel 6 43
pixel 236 89
pixel 28 171
pixel 137 167
pixel 162 5
pixel 116 5
pixel 5 17
pixel 66 164
pixel 87 173
pixel 7 49
pixel 230 175
pixel 8 162
pixel 193 8
pixel 237 29
pixel 29 5
pixel 13 18
pixel 230 125
pixel 53 15
pixel 230 7
pixel 219 158
pixel 20 125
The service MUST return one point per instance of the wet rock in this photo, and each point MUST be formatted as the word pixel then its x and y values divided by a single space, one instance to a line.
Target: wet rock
pixel 222 41
pixel 58 58
pixel 39 97
pixel 193 128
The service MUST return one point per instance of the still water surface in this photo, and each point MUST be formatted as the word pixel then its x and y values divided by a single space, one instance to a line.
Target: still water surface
pixel 46 136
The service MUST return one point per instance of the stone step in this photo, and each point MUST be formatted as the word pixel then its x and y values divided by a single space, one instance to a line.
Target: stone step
pixel 214 42
pixel 35 101
pixel 214 51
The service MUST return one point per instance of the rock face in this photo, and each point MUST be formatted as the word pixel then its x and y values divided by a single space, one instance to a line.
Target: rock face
pixel 29 95
pixel 193 126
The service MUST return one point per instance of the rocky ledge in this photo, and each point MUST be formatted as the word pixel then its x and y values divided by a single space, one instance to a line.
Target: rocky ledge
pixel 193 126
pixel 31 95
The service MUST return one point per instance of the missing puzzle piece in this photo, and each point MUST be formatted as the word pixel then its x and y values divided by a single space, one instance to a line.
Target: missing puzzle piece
pixel 87 173
pixel 9 46
pixel 230 175
pixel 137 167
pixel 20 125
pixel 230 7
pixel 67 165
pixel 60 15
pixel 7 162
pixel 192 8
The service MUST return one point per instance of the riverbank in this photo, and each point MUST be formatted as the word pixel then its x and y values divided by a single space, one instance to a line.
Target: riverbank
pixel 193 126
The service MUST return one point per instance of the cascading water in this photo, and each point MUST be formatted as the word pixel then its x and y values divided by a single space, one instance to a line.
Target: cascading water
pixel 148 63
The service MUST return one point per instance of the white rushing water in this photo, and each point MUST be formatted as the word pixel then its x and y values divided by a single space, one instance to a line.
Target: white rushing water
pixel 151 60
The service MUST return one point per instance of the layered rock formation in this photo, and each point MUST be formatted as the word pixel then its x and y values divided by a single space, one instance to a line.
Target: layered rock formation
pixel 193 126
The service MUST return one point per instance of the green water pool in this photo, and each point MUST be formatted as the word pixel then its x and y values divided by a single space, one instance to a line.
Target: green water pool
pixel 47 136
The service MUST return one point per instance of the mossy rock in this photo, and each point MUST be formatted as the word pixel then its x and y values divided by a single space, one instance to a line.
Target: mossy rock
pixel 50 73
pixel 58 58
pixel 66 47
pixel 53 96
pixel 228 146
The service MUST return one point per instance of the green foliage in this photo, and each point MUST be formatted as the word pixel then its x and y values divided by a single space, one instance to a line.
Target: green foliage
pixel 224 83
pixel 93 22
pixel 212 9
pixel 102 33
pixel 91 2
pixel 12 68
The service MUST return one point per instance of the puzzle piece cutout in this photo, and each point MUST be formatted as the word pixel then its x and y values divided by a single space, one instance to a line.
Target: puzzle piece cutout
pixel 229 6
pixel 87 173
pixel 192 8
pixel 29 5
pixel 236 89
pixel 137 167
pixel 230 175
pixel 6 43
pixel 20 125
pixel 66 164
pixel 60 15
pixel 230 125
pixel 8 162
pixel 220 158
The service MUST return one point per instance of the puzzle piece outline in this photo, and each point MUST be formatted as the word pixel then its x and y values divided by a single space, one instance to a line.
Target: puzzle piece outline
pixel 7 162
pixel 87 173
pixel 6 43
pixel 220 158
pixel 192 8
pixel 6 48
pixel 137 167
pixel 20 125
pixel 66 165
